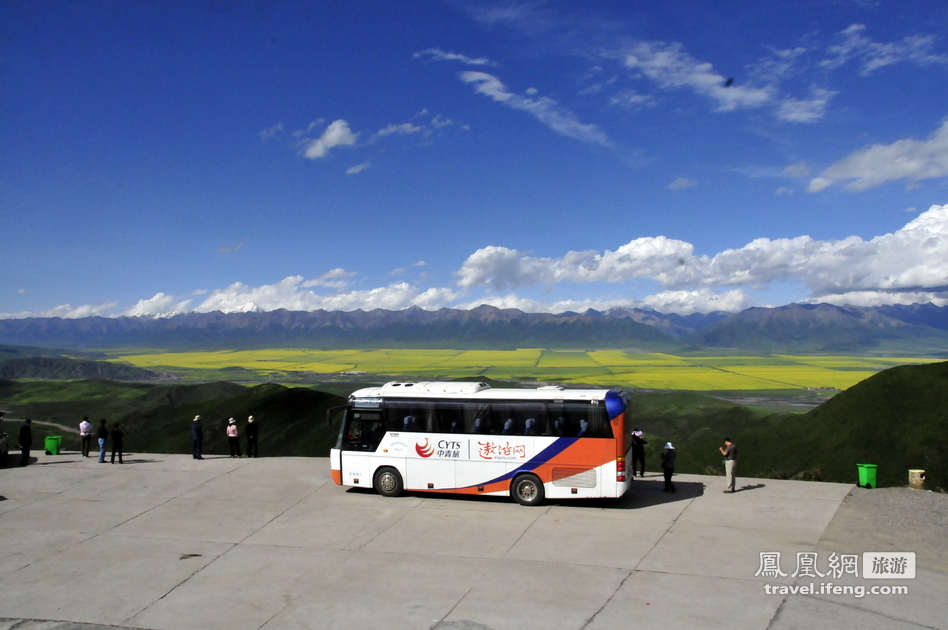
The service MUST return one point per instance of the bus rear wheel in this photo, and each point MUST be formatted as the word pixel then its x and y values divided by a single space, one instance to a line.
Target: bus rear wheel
pixel 388 482
pixel 527 490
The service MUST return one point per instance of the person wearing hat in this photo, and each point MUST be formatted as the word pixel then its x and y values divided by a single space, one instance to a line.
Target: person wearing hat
pixel 252 432
pixel 197 438
pixel 668 466
pixel 638 452
pixel 233 439
pixel 26 442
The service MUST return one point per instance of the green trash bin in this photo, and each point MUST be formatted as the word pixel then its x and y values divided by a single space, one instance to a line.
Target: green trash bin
pixel 52 444
pixel 867 475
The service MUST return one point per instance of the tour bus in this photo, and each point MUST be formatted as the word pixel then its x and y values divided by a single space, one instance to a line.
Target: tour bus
pixel 470 438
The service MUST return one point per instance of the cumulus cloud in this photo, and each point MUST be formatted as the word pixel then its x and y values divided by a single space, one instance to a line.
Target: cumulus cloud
pixel 336 134
pixel 159 304
pixel 67 311
pixel 544 109
pixel 907 159
pixel 914 258
pixel 290 293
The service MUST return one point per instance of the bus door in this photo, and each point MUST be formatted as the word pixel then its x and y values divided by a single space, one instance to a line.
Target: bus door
pixel 360 437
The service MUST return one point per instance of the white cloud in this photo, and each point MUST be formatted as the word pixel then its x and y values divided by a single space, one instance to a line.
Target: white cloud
pixel 336 134
pixel 671 67
pixel 544 109
pixel 436 54
pixel 159 304
pixel 233 247
pixel 913 160
pixel 337 279
pixel 270 132
pixel 680 183
pixel 701 301
pixel 918 49
pixel 358 168
pixel 805 110
pixel 67 311
pixel 914 258
pixel 630 99
pixel 404 129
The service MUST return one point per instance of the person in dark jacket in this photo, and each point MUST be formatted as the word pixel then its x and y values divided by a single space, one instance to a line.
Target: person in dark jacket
pixel 668 466
pixel 116 435
pixel 26 442
pixel 197 438
pixel 103 436
pixel 252 431
pixel 638 452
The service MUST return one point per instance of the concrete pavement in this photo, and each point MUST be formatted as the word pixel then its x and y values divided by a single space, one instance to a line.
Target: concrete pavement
pixel 168 542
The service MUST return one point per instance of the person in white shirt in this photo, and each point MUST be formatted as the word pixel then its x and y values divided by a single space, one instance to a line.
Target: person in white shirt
pixel 85 433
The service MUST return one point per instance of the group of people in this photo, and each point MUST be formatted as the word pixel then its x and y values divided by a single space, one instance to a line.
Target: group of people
pixel 233 438
pixel 85 434
pixel 116 437
pixel 729 451
pixel 104 435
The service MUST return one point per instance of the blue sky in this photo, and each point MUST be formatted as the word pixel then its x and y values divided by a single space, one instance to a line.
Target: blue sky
pixel 549 156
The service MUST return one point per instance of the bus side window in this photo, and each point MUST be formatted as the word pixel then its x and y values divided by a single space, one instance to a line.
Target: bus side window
pixel 477 418
pixel 405 416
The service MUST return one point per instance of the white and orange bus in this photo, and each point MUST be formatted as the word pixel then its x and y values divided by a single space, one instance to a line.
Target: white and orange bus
pixel 469 438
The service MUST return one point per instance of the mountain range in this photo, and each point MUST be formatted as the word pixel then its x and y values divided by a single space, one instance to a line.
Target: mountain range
pixel 824 328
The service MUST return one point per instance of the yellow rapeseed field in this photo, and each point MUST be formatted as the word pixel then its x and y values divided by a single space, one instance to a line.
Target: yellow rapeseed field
pixel 594 368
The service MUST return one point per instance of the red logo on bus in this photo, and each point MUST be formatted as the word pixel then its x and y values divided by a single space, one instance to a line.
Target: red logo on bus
pixel 425 450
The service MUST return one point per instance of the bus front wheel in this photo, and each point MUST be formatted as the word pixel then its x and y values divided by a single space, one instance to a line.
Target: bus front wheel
pixel 527 490
pixel 388 482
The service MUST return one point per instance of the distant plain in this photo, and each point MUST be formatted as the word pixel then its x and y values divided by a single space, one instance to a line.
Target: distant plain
pixel 612 368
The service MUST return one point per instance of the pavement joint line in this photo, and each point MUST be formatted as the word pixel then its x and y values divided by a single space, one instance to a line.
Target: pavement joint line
pixel 476 583
pixel 608 599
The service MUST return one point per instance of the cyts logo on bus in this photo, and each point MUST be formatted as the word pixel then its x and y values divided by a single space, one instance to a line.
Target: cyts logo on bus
pixel 424 449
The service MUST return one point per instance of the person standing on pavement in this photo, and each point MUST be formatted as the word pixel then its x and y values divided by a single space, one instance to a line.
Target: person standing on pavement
pixel 197 438
pixel 117 436
pixel 233 439
pixel 103 436
pixel 252 431
pixel 26 442
pixel 668 466
pixel 638 452
pixel 85 434
pixel 729 450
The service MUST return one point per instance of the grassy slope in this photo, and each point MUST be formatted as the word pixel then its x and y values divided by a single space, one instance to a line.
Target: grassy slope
pixel 895 419
pixel 292 422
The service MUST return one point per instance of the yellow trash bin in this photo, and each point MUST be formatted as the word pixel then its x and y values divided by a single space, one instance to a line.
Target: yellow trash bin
pixel 917 479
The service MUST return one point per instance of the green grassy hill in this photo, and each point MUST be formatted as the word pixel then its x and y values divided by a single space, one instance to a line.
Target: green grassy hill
pixel 65 368
pixel 895 419
pixel 292 422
